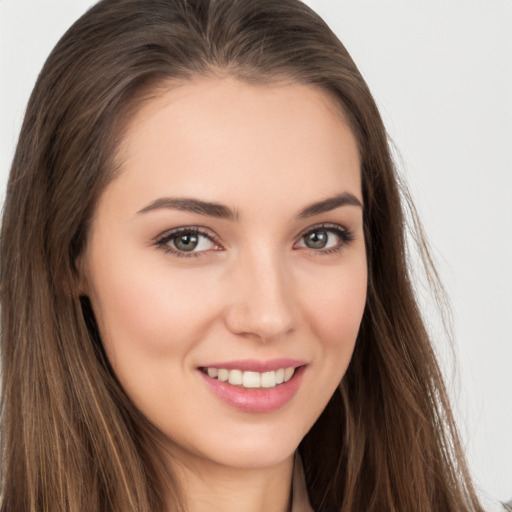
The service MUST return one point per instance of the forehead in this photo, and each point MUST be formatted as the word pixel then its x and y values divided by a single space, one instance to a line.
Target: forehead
pixel 219 135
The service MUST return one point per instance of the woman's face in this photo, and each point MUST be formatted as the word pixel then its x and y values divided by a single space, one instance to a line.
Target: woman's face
pixel 231 246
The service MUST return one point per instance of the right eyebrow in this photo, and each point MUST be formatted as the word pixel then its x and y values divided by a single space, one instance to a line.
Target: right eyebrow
pixel 189 204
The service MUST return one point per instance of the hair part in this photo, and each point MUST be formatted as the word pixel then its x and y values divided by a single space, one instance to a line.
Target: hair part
pixel 71 438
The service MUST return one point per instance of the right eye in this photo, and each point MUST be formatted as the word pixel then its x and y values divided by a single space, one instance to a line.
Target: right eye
pixel 186 242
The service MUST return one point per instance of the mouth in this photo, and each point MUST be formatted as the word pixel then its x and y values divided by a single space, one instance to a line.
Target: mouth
pixel 253 386
pixel 250 379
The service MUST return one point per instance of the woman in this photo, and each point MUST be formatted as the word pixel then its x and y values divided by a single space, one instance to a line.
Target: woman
pixel 205 296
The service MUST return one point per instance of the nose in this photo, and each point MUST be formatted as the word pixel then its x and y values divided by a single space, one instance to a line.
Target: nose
pixel 261 302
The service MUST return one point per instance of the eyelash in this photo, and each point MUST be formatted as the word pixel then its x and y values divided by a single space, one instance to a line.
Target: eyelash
pixel 345 236
pixel 164 241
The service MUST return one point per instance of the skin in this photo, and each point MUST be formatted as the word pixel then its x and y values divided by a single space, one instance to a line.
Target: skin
pixel 257 291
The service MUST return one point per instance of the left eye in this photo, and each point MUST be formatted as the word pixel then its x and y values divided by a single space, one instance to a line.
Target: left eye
pixel 323 238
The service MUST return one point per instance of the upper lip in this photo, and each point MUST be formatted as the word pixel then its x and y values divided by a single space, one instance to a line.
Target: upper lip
pixel 255 365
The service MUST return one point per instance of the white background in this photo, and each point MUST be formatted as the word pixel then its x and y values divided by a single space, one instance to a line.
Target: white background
pixel 441 72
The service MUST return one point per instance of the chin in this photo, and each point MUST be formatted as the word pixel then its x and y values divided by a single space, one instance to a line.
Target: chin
pixel 248 448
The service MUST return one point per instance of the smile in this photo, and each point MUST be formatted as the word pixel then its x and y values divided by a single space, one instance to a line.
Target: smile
pixel 253 386
pixel 250 379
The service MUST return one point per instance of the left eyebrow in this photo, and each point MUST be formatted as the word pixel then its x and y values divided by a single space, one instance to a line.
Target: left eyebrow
pixel 329 204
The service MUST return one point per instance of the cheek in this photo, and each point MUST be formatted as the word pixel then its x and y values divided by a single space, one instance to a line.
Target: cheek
pixel 146 312
pixel 332 310
pixel 335 307
pixel 150 324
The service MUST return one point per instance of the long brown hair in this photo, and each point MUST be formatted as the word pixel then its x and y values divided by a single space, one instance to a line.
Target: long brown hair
pixel 71 439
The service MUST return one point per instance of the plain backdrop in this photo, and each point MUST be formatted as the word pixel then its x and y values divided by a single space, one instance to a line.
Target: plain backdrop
pixel 441 72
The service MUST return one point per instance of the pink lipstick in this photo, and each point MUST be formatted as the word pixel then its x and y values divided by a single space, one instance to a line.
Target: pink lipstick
pixel 254 386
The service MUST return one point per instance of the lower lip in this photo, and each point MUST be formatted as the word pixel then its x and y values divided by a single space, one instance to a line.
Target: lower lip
pixel 256 400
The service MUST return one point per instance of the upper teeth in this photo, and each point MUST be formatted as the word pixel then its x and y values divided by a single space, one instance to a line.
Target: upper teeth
pixel 252 379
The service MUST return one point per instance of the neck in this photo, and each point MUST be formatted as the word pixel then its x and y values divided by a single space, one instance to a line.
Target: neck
pixel 208 487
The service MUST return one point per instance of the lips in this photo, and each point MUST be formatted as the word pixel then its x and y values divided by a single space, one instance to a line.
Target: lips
pixel 255 365
pixel 250 379
pixel 254 386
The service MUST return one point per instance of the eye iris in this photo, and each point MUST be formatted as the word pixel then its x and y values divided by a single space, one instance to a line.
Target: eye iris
pixel 316 239
pixel 186 242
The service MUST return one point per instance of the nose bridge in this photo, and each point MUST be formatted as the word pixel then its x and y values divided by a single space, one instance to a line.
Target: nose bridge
pixel 262 301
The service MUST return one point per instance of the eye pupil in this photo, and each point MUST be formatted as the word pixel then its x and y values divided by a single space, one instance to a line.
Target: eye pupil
pixel 316 239
pixel 187 242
